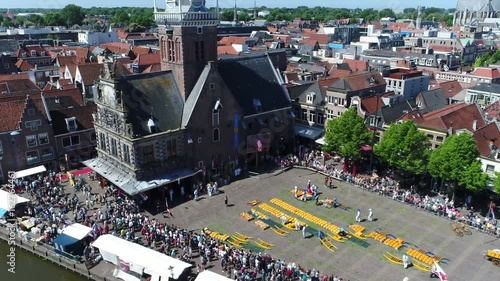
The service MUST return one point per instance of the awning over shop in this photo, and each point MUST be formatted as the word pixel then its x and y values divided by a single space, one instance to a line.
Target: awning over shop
pixel 308 131
pixel 30 171
pixel 129 185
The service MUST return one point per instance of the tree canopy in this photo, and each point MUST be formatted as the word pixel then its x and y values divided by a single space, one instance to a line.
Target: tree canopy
pixel 346 134
pixel 496 182
pixel 73 14
pixel 456 161
pixel 405 148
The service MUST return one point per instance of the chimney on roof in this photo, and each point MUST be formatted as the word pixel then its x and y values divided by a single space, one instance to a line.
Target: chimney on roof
pixel 474 125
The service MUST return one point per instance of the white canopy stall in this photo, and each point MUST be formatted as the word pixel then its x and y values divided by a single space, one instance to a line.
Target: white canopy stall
pixel 207 275
pixel 9 201
pixel 30 171
pixel 132 260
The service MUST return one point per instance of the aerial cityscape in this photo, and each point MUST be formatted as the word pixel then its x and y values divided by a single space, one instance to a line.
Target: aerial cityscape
pixel 227 140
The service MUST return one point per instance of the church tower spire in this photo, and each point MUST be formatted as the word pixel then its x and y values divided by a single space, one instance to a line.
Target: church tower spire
pixel 188 40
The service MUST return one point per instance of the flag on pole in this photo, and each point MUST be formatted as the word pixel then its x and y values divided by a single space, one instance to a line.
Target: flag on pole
pixel 259 145
pixel 440 272
pixel 143 196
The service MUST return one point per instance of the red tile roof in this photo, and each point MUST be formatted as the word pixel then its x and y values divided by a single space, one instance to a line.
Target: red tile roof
pixel 311 42
pixel 493 111
pixel 370 104
pixel 321 38
pixel 18 86
pixel 486 135
pixel 450 88
pixel 363 80
pixel 338 73
pixel 226 50
pixel 230 40
pixel 357 65
pixel 75 94
pixel 148 59
pixel 486 72
pixel 457 116
pixel 141 50
pixel 23 65
pixel 442 49
pixel 90 72
pixel 10 115
pixel 81 53
pixel 153 68
pixel 17 76
pixel 65 60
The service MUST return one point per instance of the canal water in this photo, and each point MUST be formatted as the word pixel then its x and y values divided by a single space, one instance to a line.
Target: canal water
pixel 32 268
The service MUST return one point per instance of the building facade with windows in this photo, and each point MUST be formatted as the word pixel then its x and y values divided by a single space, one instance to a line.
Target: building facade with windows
pixel 26 136
pixel 140 142
pixel 74 134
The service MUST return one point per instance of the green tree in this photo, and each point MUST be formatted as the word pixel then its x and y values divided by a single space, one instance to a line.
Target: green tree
pixel 456 161
pixel 346 134
pixel 496 182
pixel 72 14
pixel 7 22
pixel 36 20
pixel 20 21
pixel 405 148
pixel 143 20
pixel 386 13
pixel 53 19
pixel 121 17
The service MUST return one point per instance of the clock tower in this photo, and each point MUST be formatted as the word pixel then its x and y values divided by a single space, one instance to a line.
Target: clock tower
pixel 188 40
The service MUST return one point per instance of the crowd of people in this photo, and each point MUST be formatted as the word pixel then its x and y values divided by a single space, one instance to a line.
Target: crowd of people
pixel 55 205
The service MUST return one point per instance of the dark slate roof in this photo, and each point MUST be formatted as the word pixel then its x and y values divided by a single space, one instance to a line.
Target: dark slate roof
pixel 319 98
pixel 489 88
pixel 152 94
pixel 391 113
pixel 56 103
pixel 297 90
pixel 82 114
pixel 433 99
pixel 254 78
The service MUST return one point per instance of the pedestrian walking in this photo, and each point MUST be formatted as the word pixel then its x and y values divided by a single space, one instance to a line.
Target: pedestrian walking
pixel 358 219
pixel 370 214
pixel 405 261
pixel 168 209
pixel 304 231
pixel 225 200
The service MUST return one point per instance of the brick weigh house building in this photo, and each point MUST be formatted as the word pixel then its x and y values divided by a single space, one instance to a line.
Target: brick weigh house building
pixel 200 119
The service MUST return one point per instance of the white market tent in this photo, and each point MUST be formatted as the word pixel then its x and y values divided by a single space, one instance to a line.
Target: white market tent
pixel 207 275
pixel 30 171
pixel 77 231
pixel 8 201
pixel 139 258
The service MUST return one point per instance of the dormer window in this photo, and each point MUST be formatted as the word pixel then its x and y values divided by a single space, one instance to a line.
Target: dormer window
pixel 310 97
pixel 257 104
pixel 151 125
pixel 71 124
pixel 23 55
pixel 33 53
pixel 42 54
